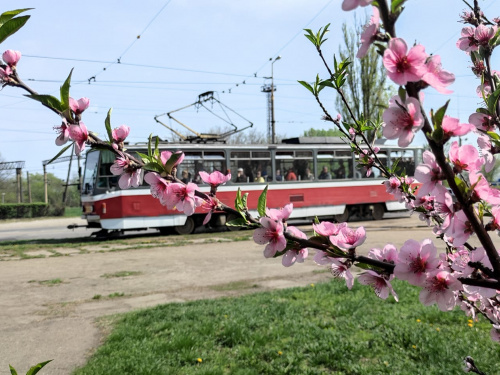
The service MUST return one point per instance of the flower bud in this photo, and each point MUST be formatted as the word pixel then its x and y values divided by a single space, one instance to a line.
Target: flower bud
pixel 11 57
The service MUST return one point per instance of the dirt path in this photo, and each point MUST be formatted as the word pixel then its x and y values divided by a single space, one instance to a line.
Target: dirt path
pixel 49 306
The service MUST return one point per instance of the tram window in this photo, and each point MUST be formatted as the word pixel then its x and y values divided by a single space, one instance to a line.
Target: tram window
pixel 90 174
pixel 194 162
pixel 294 166
pixel 252 166
pixel 406 161
pixel 334 165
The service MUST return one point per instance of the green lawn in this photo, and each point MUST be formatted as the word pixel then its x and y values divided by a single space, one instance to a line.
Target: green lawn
pixel 321 329
pixel 72 211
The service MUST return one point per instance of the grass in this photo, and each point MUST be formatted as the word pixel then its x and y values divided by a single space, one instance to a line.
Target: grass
pixel 72 211
pixel 115 295
pixel 323 329
pixel 51 282
pixel 121 274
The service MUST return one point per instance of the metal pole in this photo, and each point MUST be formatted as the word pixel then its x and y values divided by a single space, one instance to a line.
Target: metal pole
pixel 19 188
pixel 273 135
pixel 29 187
pixel 45 183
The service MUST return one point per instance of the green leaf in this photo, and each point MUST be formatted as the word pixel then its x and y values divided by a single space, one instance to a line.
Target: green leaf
pixel 107 124
pixel 493 42
pixel 149 145
pixel 239 222
pixel 48 101
pixel 396 4
pixel 493 100
pixel 60 153
pixel 34 370
pixel 12 26
pixel 402 94
pixel 157 151
pixel 154 166
pixel 65 92
pixel 307 86
pixel 484 111
pixel 262 203
pixel 244 200
pixel 145 158
pixel 5 16
pixel 494 136
pixel 437 118
pixel 12 370
pixel 237 201
pixel 172 161
pixel 462 186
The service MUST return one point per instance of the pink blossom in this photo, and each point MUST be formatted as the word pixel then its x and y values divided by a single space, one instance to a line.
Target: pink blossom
pixel 295 255
pixel 215 178
pixel 379 283
pixel 436 76
pixel 78 106
pixel 130 177
pixel 119 134
pixel 369 33
pixel 63 131
pixel 348 238
pixel 271 234
pixel 495 213
pixel 465 158
pixel 165 156
pixel 80 135
pixel 183 198
pixel 11 57
pixel 158 185
pixel 452 128
pixel 459 229
pixel 353 4
pixel 439 287
pixel 482 121
pixel 483 34
pixel 415 261
pixel 5 73
pixel 392 187
pixel 484 143
pixel 209 205
pixel 325 228
pixel 402 120
pixel 467 41
pixel 340 269
pixel 403 67
pixel 483 189
pixel 430 175
pixel 388 254
pixel 281 214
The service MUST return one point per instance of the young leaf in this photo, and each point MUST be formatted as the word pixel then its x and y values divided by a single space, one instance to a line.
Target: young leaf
pixel 34 370
pixel 65 92
pixel 437 118
pixel 261 205
pixel 157 151
pixel 12 26
pixel 107 124
pixel 493 100
pixel 60 153
pixel 238 204
pixel 149 145
pixel 396 4
pixel 239 222
pixel 12 370
pixel 244 200
pixel 171 162
pixel 48 101
pixel 5 16
pixel 307 86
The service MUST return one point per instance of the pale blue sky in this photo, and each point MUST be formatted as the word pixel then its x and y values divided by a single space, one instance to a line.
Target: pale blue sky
pixel 197 46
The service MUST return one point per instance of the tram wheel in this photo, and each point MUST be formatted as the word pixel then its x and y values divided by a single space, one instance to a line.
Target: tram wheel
pixel 378 211
pixel 342 218
pixel 187 228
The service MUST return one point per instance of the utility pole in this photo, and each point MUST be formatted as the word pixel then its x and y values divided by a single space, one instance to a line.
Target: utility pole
pixel 19 185
pixel 273 123
pixel 29 187
pixel 45 183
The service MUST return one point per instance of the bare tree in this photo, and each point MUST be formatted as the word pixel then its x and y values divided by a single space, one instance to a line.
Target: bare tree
pixel 367 90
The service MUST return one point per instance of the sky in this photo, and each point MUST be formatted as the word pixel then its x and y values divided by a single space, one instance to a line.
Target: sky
pixel 187 47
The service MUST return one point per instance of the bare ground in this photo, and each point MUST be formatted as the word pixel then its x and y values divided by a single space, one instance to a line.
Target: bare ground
pixel 51 307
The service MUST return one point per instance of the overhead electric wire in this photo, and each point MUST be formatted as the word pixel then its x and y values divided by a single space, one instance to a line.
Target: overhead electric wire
pixel 118 60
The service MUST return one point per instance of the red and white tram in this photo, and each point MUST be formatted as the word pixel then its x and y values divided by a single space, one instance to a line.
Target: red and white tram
pixel 318 175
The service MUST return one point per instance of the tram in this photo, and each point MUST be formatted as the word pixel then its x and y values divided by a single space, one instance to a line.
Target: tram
pixel 318 175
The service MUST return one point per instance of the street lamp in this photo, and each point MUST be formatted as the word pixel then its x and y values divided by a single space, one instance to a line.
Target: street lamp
pixel 273 128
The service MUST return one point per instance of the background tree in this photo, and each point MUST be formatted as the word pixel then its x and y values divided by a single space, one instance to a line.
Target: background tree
pixel 367 90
